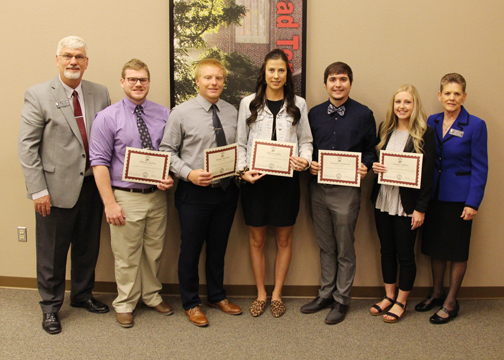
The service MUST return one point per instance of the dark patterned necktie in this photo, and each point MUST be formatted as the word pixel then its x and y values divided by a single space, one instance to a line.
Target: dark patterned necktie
pixel 340 110
pixel 221 139
pixel 80 123
pixel 219 131
pixel 142 129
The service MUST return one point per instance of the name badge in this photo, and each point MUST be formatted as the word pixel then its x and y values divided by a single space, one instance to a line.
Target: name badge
pixel 456 133
pixel 62 103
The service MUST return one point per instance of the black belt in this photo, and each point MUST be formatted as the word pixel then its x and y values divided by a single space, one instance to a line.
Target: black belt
pixel 143 191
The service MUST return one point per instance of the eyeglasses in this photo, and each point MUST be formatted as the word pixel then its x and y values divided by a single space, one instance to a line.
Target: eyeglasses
pixel 78 58
pixel 133 81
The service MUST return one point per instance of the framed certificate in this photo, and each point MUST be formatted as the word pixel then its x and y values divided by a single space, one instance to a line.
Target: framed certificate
pixel 145 166
pixel 403 169
pixel 339 167
pixel 272 157
pixel 221 161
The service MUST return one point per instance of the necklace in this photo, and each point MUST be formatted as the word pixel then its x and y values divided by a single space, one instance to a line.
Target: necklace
pixel 446 127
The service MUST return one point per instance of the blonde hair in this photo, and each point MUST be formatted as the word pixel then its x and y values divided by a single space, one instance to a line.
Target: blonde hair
pixel 135 64
pixel 209 62
pixel 417 124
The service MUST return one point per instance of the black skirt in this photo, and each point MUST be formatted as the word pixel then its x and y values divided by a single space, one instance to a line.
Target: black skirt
pixel 271 200
pixel 446 235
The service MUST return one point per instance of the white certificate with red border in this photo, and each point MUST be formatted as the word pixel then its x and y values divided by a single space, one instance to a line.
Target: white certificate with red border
pixel 272 157
pixel 339 168
pixel 146 166
pixel 221 161
pixel 403 169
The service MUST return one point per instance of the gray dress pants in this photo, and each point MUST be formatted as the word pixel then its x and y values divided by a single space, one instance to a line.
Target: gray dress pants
pixel 334 210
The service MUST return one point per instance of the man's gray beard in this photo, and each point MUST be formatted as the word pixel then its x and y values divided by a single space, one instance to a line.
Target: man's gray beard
pixel 71 75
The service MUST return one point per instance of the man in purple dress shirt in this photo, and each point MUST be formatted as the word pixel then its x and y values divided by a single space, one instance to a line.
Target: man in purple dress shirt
pixel 136 212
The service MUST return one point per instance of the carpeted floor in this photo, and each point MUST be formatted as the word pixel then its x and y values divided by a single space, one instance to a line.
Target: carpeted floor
pixel 476 334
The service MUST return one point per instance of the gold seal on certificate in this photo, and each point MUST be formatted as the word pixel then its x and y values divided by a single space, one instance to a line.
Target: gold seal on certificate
pixel 403 169
pixel 221 161
pixel 145 166
pixel 272 157
pixel 339 168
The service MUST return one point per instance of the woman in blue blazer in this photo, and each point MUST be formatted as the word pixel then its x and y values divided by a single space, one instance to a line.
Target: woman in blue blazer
pixel 459 184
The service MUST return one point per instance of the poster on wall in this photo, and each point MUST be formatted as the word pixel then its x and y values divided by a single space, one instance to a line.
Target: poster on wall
pixel 239 33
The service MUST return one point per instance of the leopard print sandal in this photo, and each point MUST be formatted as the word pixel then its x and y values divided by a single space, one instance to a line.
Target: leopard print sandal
pixel 278 308
pixel 257 308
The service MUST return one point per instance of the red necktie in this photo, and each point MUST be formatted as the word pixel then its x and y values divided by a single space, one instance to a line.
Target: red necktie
pixel 80 124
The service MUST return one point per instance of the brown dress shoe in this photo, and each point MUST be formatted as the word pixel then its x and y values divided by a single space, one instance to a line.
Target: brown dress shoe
pixel 196 316
pixel 125 319
pixel 164 308
pixel 227 307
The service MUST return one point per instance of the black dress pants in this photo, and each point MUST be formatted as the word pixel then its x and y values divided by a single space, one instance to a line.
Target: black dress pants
pixel 206 215
pixel 397 245
pixel 79 226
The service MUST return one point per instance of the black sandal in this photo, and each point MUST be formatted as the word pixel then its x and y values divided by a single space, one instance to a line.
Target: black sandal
pixel 396 317
pixel 380 310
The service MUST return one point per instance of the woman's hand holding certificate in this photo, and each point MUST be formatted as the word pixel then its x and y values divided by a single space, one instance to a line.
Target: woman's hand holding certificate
pixel 272 157
pixel 400 169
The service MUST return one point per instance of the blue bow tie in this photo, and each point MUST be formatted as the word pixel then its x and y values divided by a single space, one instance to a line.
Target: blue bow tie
pixel 333 109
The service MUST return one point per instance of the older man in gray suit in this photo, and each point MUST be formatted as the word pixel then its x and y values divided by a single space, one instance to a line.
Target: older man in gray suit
pixel 53 150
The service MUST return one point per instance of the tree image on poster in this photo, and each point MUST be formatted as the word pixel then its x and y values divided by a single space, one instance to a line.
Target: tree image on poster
pixel 237 32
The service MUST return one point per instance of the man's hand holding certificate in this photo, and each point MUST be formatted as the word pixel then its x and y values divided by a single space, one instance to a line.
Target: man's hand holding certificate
pixel 145 166
pixel 339 168
pixel 221 161
pixel 402 169
pixel 272 157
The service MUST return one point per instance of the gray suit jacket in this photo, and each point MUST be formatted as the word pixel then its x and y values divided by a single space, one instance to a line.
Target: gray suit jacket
pixel 50 145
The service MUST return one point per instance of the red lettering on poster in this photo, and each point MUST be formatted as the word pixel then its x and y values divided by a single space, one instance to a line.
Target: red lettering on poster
pixel 284 20
pixel 289 54
pixel 284 8
pixel 294 42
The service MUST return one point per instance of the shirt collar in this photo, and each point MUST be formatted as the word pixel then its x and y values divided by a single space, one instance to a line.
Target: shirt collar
pixel 130 105
pixel 207 104
pixel 69 91
pixel 344 104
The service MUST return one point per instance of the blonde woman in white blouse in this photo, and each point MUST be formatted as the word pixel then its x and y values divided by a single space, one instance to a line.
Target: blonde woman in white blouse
pixel 400 211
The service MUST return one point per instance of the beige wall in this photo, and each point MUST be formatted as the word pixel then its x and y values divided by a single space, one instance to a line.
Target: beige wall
pixel 387 43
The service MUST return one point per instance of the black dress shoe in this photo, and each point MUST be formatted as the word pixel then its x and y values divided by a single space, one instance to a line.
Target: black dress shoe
pixel 429 303
pixel 337 314
pixel 452 314
pixel 50 323
pixel 316 305
pixel 92 305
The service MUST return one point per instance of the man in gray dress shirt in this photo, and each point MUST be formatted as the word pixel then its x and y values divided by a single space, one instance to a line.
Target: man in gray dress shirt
pixel 206 206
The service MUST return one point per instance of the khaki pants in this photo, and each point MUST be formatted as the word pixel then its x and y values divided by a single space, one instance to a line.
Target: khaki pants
pixel 137 248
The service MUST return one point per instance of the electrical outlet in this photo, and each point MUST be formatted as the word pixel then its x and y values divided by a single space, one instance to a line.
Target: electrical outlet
pixel 22 233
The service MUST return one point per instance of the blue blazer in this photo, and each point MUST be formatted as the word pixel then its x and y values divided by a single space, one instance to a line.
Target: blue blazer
pixel 461 166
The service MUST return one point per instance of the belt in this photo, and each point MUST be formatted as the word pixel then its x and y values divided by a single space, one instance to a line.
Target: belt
pixel 143 191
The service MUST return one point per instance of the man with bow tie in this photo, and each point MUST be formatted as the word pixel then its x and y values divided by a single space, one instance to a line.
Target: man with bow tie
pixel 338 124
pixel 136 212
